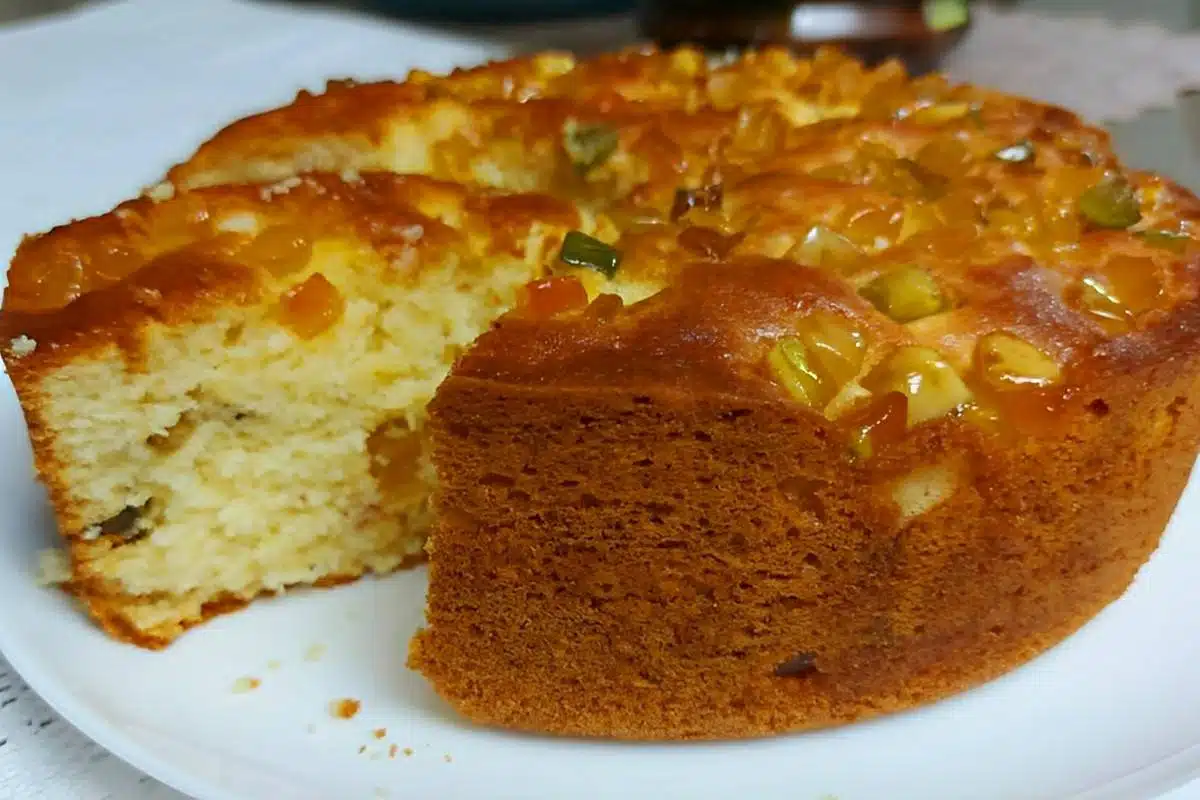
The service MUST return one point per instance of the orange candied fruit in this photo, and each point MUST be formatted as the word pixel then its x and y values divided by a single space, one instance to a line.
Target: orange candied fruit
pixel 312 307
pixel 1118 292
pixel 877 424
pixel 547 297
pixel 280 249
pixel 396 451
pixel 53 276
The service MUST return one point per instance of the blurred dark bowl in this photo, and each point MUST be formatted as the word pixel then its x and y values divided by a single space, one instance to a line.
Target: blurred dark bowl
pixel 500 11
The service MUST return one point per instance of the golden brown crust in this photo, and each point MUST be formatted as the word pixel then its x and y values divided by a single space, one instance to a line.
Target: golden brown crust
pixel 111 608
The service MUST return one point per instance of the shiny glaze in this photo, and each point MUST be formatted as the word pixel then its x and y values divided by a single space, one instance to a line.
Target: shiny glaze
pixel 819 175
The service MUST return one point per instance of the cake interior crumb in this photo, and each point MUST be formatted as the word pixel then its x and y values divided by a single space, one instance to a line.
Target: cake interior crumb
pixel 379 733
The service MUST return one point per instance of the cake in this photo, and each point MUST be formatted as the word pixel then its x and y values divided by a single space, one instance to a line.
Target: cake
pixel 725 399
pixel 234 403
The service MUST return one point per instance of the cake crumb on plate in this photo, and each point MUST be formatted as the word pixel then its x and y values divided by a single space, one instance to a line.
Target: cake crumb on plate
pixel 344 708
pixel 245 684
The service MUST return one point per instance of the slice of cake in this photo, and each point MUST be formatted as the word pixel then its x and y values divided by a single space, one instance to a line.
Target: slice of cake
pixel 777 496
pixel 226 390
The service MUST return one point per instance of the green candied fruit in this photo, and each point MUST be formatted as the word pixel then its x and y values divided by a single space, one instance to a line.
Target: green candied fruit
pixel 1111 203
pixel 789 362
pixel 581 250
pixel 589 145
pixel 906 294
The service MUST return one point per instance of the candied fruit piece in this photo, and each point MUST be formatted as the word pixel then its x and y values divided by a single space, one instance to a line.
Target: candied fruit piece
pixel 984 417
pixel 1172 241
pixel 545 298
pixel 945 156
pixel 395 451
pixel 51 283
pixel 1013 223
pixel 1007 362
pixel 918 218
pixel 708 198
pixel 312 307
pixel 905 294
pixel 1021 152
pixel 280 249
pixel 1123 288
pixel 826 353
pixel 880 422
pixel 874 229
pixel 708 243
pixel 824 248
pixel 836 173
pixel 604 308
pixel 1059 230
pixel 1111 203
pixel 940 113
pixel 931 385
pixel 581 250
pixel 835 348
pixel 589 146
pixel 789 363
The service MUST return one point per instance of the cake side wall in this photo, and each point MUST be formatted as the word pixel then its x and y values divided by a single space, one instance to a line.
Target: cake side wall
pixel 608 566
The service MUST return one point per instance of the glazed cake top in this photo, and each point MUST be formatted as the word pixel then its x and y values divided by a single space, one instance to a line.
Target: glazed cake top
pixel 804 228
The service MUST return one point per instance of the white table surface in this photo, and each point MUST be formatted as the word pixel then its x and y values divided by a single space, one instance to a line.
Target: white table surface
pixel 42 757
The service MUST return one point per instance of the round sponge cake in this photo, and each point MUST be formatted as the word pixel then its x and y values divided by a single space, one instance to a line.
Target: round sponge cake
pixel 770 394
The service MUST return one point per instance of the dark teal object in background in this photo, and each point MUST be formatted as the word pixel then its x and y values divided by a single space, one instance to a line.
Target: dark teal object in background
pixel 499 11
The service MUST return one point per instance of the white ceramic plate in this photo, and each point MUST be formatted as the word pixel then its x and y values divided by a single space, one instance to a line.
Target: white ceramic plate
pixel 105 102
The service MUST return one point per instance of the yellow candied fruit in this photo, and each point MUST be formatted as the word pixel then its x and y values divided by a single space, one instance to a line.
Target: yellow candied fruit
pixel 1060 229
pixel 905 294
pixel 280 249
pixel 1007 362
pixel 945 156
pixel 835 348
pixel 921 374
pixel 312 307
pixel 919 217
pixel 789 363
pixel 1120 290
pixel 940 113
pixel 395 450
pixel 824 248
pixel 874 229
pixel 826 353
